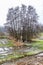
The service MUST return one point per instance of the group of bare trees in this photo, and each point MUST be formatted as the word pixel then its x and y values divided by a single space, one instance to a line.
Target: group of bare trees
pixel 22 22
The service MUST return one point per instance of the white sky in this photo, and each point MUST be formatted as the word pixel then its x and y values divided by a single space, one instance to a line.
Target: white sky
pixel 6 4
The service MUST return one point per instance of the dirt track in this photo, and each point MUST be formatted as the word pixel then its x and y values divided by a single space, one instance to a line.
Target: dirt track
pixel 32 60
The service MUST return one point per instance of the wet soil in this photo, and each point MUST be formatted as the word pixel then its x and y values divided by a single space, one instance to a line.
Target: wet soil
pixel 28 60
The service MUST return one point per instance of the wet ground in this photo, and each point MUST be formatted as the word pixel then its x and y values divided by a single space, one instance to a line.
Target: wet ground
pixel 5 50
pixel 28 60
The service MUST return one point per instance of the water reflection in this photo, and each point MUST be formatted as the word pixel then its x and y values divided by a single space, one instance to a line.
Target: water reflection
pixel 5 50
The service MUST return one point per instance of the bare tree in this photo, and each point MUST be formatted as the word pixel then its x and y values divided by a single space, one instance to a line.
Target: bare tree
pixel 22 22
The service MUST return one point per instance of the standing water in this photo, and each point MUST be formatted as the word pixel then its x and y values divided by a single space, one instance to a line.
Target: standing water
pixel 32 60
pixel 4 50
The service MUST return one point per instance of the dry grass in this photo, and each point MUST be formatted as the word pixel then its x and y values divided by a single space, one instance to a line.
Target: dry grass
pixel 16 43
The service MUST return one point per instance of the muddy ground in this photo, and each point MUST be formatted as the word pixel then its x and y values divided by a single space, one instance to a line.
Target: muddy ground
pixel 28 60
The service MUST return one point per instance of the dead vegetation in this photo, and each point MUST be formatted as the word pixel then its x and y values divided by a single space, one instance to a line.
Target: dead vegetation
pixel 17 43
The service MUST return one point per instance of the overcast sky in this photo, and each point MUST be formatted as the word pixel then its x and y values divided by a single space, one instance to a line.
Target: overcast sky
pixel 6 4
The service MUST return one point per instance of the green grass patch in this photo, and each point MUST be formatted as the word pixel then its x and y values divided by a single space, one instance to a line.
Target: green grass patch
pixel 32 52
pixel 41 34
pixel 16 54
pixel 3 37
pixel 9 44
pixel 38 44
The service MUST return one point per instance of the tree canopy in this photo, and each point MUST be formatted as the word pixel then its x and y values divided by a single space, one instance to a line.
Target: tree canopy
pixel 22 22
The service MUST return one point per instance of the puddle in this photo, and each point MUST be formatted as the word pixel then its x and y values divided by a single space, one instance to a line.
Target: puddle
pixel 8 50
pixel 5 50
pixel 41 54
